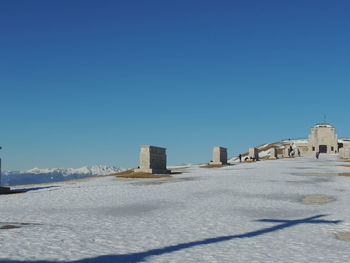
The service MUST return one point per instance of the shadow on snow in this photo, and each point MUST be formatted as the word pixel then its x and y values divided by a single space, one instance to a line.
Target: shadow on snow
pixel 24 190
pixel 142 256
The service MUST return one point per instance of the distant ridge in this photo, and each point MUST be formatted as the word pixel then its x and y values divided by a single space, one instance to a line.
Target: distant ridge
pixel 37 175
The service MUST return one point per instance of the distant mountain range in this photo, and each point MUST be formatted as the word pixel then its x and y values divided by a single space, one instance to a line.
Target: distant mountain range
pixel 36 175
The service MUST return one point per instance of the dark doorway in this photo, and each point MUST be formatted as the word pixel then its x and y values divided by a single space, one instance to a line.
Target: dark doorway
pixel 323 149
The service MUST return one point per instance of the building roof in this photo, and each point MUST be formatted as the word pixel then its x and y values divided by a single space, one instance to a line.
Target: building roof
pixel 323 125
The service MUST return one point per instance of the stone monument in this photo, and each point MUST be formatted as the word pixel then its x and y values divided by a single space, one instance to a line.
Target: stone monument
pixel 152 160
pixel 273 153
pixel 287 150
pixel 3 189
pixel 254 153
pixel 344 153
pixel 219 155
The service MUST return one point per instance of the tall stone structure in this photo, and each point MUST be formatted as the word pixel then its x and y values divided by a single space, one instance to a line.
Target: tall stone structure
pixel 152 160
pixel 344 152
pixel 273 153
pixel 254 153
pixel 3 189
pixel 323 139
pixel 286 150
pixel 219 155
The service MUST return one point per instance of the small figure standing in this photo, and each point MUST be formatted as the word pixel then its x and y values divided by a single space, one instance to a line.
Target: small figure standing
pixel 298 152
pixel 317 155
pixel 240 157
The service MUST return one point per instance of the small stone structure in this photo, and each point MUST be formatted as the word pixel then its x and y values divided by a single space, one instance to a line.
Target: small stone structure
pixel 254 153
pixel 3 189
pixel 152 160
pixel 344 153
pixel 219 155
pixel 287 151
pixel 273 153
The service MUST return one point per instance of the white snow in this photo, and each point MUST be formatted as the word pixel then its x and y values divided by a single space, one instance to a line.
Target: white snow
pixel 265 153
pixel 226 214
pixel 342 140
pixel 298 141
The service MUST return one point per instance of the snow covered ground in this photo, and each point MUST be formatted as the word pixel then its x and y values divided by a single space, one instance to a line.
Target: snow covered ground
pixel 243 213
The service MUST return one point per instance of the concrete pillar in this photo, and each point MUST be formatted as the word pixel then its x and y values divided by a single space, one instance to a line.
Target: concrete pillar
pixel 273 153
pixel 3 189
pixel 254 153
pixel 219 155
pixel 152 160
pixel 286 151
pixel 346 153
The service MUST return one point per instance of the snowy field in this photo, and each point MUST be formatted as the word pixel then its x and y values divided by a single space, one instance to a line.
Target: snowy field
pixel 243 213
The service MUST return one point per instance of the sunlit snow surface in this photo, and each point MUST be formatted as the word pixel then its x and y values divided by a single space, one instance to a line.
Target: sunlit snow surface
pixel 242 213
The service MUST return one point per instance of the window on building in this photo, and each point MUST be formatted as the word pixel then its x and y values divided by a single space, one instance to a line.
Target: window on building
pixel 332 148
pixel 313 148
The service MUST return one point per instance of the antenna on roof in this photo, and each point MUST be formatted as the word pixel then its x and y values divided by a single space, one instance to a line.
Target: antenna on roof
pixel 324 119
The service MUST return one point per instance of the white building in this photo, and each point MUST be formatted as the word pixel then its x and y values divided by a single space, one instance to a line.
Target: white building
pixel 323 139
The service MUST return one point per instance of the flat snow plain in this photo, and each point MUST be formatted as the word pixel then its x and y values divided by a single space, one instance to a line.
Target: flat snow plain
pixel 242 213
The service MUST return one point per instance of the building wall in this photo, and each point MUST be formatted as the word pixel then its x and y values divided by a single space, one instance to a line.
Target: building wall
pixel 219 155
pixel 152 157
pixel 323 135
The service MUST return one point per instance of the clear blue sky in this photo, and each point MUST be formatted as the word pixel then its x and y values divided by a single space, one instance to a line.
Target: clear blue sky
pixel 88 82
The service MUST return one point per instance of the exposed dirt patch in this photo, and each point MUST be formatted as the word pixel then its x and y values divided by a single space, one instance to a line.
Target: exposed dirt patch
pixel 143 175
pixel 165 180
pixel 13 225
pixel 131 174
pixel 317 199
pixel 323 174
pixel 126 172
pixel 9 227
pixel 344 236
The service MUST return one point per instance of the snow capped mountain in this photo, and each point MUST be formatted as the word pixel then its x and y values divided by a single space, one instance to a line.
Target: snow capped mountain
pixel 87 170
pixel 37 175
